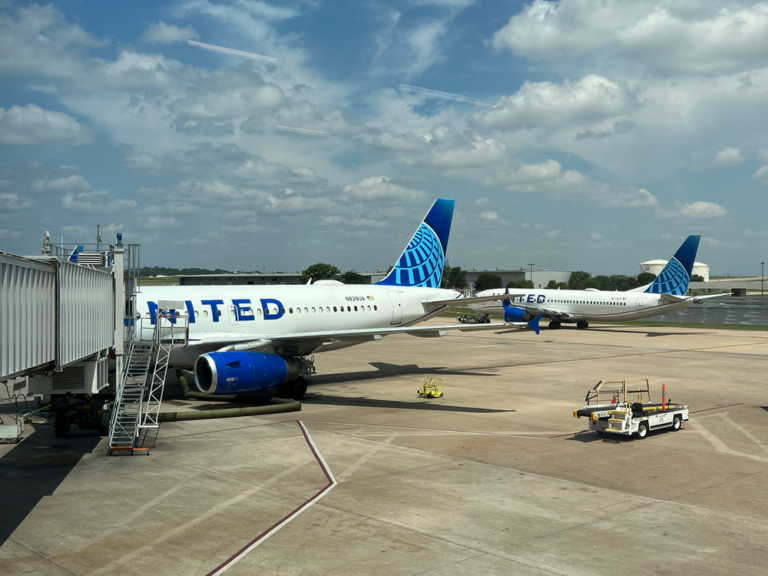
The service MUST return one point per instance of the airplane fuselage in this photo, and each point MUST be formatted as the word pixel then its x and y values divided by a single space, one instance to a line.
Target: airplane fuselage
pixel 585 304
pixel 218 314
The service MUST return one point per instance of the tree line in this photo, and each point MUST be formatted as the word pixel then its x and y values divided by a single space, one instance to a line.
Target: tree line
pixel 454 278
pixel 579 280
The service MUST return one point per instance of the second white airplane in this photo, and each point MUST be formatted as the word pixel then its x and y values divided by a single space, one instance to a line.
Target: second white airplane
pixel 665 294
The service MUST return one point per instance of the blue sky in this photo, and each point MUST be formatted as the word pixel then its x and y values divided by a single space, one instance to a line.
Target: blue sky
pixel 576 134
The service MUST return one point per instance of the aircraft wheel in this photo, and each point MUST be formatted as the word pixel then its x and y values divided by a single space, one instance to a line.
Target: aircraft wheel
pixel 582 324
pixel 555 325
pixel 298 388
pixel 60 425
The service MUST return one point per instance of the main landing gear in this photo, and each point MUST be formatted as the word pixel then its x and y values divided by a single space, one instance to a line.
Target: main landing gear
pixel 582 324
pixel 294 390
pixel 555 325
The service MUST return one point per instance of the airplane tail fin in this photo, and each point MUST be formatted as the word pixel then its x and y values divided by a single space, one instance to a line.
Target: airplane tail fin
pixel 422 261
pixel 676 274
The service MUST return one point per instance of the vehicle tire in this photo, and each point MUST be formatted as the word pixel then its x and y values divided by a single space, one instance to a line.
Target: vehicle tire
pixel 104 422
pixel 677 423
pixel 60 425
pixel 555 325
pixel 298 388
pixel 642 431
pixel 582 324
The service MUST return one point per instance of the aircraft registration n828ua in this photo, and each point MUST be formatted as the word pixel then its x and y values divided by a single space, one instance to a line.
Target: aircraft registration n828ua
pixel 251 339
pixel 665 294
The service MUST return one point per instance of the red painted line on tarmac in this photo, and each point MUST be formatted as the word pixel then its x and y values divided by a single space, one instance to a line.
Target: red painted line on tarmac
pixel 240 554
pixel 566 434
pixel 717 408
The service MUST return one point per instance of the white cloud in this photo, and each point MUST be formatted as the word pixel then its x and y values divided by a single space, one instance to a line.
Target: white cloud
pixel 71 182
pixel 548 177
pixel 692 211
pixel 98 202
pixel 379 188
pixel 31 125
pixel 762 175
pixel 162 33
pixel 490 215
pixel 728 157
pixel 668 38
pixel 162 222
pixel 540 104
pixel 8 234
pixel 597 236
pixel 11 201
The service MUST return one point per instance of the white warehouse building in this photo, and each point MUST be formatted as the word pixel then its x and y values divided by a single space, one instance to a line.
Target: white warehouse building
pixel 656 266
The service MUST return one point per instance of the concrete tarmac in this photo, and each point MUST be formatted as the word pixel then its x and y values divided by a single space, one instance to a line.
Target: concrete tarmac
pixel 497 477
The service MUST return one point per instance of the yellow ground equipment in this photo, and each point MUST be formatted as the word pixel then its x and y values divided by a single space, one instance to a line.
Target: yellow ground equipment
pixel 431 387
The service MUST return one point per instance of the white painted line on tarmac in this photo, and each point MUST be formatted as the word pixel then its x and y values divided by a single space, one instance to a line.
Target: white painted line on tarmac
pixel 285 520
pixel 744 431
pixel 719 445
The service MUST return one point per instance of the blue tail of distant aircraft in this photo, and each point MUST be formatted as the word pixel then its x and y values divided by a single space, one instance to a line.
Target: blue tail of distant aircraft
pixel 677 273
pixel 422 261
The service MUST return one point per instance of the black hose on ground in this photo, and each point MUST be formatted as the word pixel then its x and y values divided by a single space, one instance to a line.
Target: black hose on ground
pixel 276 406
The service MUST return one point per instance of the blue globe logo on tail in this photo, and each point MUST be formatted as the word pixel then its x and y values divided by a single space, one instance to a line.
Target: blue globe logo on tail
pixel 672 280
pixel 422 261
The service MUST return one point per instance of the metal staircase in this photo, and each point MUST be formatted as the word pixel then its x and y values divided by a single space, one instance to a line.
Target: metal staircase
pixel 131 414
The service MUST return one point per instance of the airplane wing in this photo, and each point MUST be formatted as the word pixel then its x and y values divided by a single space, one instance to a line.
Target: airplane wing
pixel 431 305
pixel 313 340
pixel 672 299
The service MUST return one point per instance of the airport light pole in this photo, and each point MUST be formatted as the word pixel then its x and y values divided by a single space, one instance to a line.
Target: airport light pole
pixel 532 265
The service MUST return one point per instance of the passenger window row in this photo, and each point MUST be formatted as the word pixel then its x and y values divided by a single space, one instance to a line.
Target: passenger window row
pixel 298 310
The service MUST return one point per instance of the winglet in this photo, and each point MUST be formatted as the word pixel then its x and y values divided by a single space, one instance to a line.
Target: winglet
pixel 534 324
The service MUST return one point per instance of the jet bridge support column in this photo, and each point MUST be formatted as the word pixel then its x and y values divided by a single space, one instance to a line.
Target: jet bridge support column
pixel 119 275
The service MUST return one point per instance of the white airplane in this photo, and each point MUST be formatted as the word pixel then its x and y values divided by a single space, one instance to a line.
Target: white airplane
pixel 665 294
pixel 251 339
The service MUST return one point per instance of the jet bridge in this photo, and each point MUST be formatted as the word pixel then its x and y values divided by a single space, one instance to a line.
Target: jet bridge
pixel 61 315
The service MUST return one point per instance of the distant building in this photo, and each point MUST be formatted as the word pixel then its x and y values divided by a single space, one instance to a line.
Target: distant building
pixel 656 266
pixel 541 277
pixel 267 279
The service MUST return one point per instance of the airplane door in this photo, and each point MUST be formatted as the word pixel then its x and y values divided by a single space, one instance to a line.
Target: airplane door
pixel 397 307
pixel 232 315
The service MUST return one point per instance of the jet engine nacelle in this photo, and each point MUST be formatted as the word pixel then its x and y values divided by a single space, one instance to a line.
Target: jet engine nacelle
pixel 514 314
pixel 243 372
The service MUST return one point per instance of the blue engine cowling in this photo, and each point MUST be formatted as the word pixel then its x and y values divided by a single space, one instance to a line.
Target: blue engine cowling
pixel 515 314
pixel 243 372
